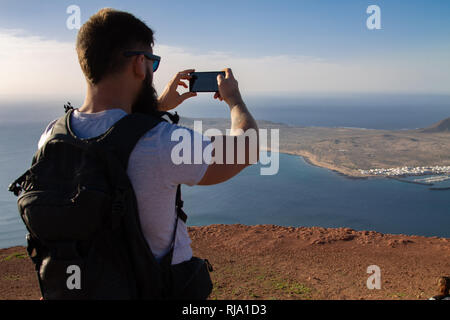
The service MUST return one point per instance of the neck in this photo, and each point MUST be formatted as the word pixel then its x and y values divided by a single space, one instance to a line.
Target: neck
pixel 106 95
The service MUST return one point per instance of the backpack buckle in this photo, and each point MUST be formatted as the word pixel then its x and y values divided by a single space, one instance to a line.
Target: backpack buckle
pixel 68 107
pixel 15 188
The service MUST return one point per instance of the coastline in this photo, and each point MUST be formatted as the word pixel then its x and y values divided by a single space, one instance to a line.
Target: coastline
pixel 273 262
pixel 347 151
pixel 312 160
pixel 355 174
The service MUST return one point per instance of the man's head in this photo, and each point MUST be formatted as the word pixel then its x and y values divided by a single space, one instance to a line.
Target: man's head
pixel 101 44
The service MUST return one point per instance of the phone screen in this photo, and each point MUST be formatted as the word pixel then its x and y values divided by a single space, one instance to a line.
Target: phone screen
pixel 204 81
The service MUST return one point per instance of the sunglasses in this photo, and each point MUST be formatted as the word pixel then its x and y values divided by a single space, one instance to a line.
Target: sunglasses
pixel 149 56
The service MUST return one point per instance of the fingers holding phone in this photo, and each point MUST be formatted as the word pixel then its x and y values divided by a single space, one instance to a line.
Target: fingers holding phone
pixel 170 98
pixel 222 83
pixel 228 88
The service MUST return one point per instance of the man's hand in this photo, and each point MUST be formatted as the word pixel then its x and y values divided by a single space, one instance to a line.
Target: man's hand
pixel 228 89
pixel 241 121
pixel 170 98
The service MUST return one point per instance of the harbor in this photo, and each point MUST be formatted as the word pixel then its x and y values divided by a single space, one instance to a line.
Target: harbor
pixel 410 171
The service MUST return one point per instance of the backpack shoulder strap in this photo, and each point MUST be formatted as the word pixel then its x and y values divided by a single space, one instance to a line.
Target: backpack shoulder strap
pixel 120 138
pixel 123 136
pixel 61 126
pixel 179 205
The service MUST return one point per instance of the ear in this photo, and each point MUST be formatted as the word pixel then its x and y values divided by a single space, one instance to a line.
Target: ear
pixel 139 67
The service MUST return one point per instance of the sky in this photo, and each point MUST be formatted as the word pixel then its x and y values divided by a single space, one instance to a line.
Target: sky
pixel 274 47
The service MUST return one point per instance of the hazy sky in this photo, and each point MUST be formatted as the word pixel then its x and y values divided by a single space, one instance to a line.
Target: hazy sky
pixel 295 47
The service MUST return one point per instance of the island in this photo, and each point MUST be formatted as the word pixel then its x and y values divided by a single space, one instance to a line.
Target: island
pixel 361 153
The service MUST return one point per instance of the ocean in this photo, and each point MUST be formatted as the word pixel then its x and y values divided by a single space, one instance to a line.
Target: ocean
pixel 305 195
pixel 299 195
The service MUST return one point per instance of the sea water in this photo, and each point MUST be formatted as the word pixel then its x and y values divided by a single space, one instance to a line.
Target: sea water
pixel 299 195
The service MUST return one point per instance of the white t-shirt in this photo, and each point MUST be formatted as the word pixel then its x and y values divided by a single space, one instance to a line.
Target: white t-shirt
pixel 153 175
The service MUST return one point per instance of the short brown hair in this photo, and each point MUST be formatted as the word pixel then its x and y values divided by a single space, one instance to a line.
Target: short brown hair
pixel 103 38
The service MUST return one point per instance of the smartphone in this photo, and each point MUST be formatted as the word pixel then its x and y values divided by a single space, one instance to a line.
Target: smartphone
pixel 204 81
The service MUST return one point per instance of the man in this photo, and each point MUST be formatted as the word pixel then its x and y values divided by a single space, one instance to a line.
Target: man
pixel 119 84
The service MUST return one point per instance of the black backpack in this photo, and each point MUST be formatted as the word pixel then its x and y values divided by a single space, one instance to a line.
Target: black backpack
pixel 80 210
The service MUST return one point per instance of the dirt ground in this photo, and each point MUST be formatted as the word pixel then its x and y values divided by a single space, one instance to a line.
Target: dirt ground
pixel 272 262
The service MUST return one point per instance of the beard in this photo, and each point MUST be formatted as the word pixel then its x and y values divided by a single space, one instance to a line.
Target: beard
pixel 147 100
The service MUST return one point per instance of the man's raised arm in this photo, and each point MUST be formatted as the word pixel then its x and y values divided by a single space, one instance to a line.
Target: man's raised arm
pixel 233 152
